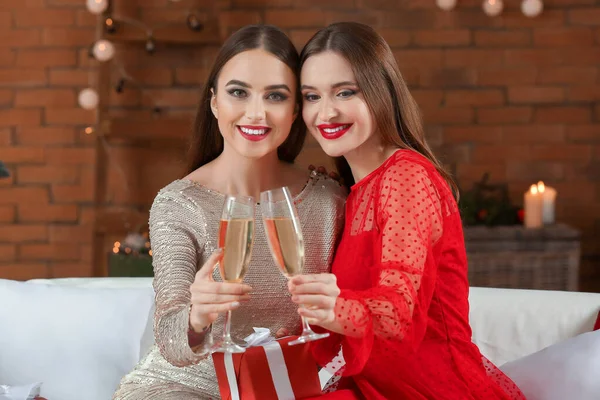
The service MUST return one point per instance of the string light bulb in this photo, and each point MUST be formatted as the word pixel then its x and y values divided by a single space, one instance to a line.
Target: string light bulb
pixel 446 5
pixel 150 46
pixel 103 50
pixel 193 23
pixel 88 99
pixel 493 8
pixel 97 6
pixel 110 25
pixel 532 8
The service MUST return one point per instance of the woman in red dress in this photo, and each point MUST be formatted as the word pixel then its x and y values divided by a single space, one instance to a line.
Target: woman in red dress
pixel 397 299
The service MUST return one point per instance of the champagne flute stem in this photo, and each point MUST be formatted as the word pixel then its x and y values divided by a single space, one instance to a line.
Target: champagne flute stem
pixel 227 330
pixel 305 326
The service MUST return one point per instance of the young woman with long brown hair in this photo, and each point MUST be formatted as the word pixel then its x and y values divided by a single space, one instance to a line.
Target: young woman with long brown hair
pixel 247 134
pixel 397 297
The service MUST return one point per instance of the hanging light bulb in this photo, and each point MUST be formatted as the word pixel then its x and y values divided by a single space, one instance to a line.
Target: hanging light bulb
pixel 532 8
pixel 446 5
pixel 97 6
pixel 110 25
pixel 493 7
pixel 150 45
pixel 88 99
pixel 120 86
pixel 103 50
pixel 88 130
pixel 193 23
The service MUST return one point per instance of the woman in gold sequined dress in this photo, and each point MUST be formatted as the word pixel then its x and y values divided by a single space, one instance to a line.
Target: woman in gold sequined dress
pixel 247 134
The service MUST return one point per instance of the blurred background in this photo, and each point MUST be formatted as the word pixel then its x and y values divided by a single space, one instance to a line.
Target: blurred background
pixel 97 99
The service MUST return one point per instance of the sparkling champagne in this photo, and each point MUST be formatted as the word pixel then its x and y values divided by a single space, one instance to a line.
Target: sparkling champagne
pixel 235 238
pixel 286 245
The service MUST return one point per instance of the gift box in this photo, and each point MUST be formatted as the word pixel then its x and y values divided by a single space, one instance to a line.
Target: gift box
pixel 269 370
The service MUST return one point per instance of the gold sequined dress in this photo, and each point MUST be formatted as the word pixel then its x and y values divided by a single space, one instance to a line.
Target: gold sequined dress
pixel 184 221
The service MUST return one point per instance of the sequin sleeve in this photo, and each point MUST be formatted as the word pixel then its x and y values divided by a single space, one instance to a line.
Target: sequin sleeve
pixel 409 221
pixel 176 244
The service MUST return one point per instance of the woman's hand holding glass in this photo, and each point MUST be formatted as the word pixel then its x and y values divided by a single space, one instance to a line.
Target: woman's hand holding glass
pixel 210 298
pixel 317 293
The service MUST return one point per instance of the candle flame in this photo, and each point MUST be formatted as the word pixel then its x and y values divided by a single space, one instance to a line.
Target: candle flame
pixel 541 187
pixel 533 189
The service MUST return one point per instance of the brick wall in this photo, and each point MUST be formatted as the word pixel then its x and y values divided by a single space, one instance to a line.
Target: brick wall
pixel 516 97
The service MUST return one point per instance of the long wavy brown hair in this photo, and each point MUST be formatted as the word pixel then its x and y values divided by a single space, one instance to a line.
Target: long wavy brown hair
pixel 206 142
pixel 387 96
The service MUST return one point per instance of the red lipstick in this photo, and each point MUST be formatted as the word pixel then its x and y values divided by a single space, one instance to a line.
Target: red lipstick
pixel 254 133
pixel 333 131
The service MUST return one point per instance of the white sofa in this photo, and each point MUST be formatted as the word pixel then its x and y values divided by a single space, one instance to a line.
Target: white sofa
pixel 79 336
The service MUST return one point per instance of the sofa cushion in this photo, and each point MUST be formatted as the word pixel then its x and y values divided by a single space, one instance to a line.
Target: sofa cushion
pixel 78 341
pixel 566 370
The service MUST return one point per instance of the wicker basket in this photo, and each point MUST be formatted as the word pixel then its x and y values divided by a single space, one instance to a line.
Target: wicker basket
pixel 516 257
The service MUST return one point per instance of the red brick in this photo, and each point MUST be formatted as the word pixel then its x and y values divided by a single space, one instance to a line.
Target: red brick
pixel 535 94
pixel 500 153
pixel 295 18
pixel 49 252
pixel 502 38
pixel 7 57
pixel 485 97
pixel 583 133
pixel 45 97
pixel 8 252
pixel 23 271
pixel 15 233
pixel 470 173
pixel 22 4
pixel 70 156
pixel 68 77
pixel 409 19
pixel 506 76
pixel 23 195
pixel 428 98
pixel 532 171
pixel 68 36
pixel 528 57
pixel 71 233
pixel 548 19
pixel 584 93
pixel 448 77
pixel 584 16
pixel 71 270
pixel 73 193
pixel 47 213
pixel 371 18
pixel 301 36
pixel 561 152
pixel 190 75
pixel 532 134
pixel 448 115
pixel 44 18
pixel 20 117
pixel 6 97
pixel 153 76
pixel 472 134
pixel 564 114
pixel 237 19
pixel 472 57
pixel 443 38
pixel 568 75
pixel 579 56
pixel 86 18
pixel 7 214
pixel 132 97
pixel 171 98
pixel 22 154
pixel 47 174
pixel 45 136
pixel 555 37
pixel 504 115
pixel 418 58
pixel 5 19
pixel 262 3
pixel 49 58
pixel 395 37
pixel 22 77
pixel 465 18
pixel 5 137
pixel 19 37
pixel 69 116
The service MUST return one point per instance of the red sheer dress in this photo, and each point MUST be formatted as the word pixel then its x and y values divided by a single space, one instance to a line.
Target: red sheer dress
pixel 402 270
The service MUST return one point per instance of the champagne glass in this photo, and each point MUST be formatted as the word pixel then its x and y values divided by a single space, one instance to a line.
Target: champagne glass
pixel 236 234
pixel 284 236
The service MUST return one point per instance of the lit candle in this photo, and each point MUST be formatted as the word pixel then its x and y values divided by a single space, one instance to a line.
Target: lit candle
pixel 548 200
pixel 533 208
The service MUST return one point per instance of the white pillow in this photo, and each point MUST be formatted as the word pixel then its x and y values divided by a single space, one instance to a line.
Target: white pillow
pixel 79 342
pixel 566 370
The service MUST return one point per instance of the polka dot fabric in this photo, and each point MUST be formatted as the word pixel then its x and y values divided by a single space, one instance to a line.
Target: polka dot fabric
pixel 402 270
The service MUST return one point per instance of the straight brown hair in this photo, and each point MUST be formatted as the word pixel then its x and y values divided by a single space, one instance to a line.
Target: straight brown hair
pixel 377 74
pixel 206 142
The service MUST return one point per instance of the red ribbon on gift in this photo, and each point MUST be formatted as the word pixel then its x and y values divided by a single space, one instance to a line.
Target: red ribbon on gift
pixel 286 373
